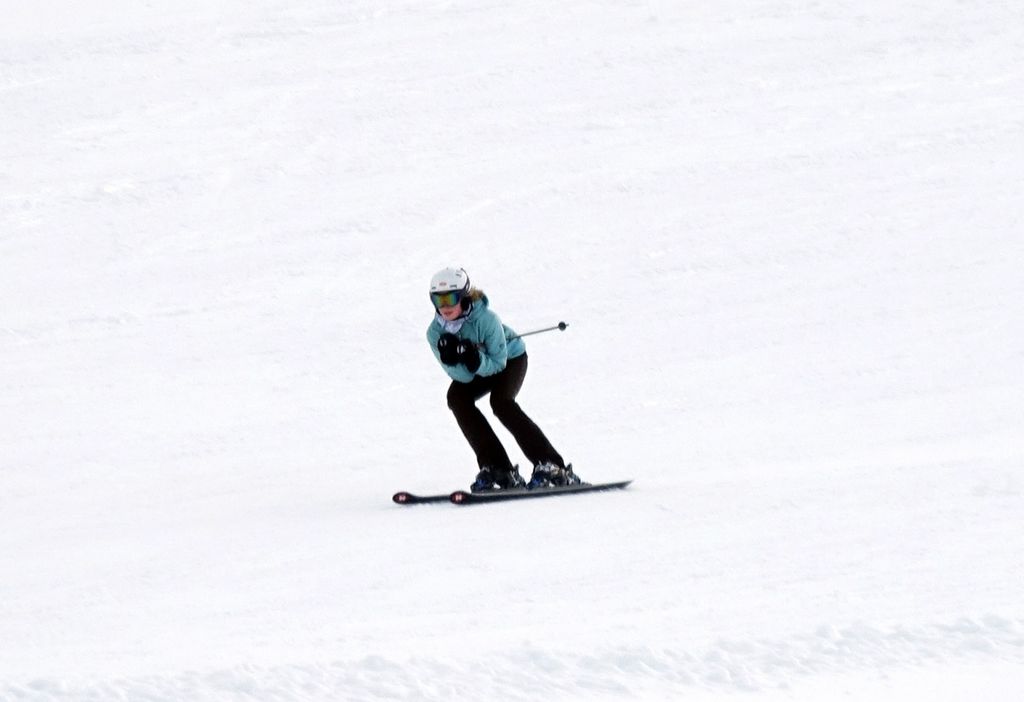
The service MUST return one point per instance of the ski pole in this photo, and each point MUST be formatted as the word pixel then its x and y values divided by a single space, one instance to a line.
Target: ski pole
pixel 560 327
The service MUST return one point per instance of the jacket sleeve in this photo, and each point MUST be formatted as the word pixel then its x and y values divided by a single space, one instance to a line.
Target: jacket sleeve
pixel 494 349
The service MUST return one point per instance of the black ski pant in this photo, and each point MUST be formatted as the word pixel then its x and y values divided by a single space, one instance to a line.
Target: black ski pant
pixel 503 387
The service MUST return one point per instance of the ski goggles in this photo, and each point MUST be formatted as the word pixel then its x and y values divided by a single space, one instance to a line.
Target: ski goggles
pixel 446 299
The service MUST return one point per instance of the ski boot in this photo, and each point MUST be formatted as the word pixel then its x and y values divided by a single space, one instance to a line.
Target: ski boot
pixel 491 478
pixel 511 480
pixel 547 474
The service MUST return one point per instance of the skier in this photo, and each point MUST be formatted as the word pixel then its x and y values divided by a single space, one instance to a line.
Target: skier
pixel 482 356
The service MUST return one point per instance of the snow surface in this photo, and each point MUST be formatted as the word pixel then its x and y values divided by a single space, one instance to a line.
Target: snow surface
pixel 786 236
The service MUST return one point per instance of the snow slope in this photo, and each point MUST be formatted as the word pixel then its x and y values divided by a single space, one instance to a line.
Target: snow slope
pixel 786 236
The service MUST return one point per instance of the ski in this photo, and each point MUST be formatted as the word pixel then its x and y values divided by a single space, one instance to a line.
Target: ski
pixel 464 497
pixel 407 498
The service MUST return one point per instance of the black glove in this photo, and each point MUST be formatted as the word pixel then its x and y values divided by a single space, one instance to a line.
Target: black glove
pixel 448 347
pixel 469 355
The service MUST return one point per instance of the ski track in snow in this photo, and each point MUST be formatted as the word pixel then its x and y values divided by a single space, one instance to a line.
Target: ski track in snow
pixel 530 673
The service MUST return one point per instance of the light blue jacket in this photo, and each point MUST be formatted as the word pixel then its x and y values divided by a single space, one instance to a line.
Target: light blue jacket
pixel 482 327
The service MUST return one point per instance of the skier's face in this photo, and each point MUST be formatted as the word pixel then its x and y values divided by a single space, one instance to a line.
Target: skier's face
pixel 448 304
pixel 451 312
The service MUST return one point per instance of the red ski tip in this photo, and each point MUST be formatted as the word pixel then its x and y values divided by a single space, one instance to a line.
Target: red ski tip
pixel 458 497
pixel 401 497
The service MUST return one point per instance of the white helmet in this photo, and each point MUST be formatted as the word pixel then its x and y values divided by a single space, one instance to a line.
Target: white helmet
pixel 450 280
